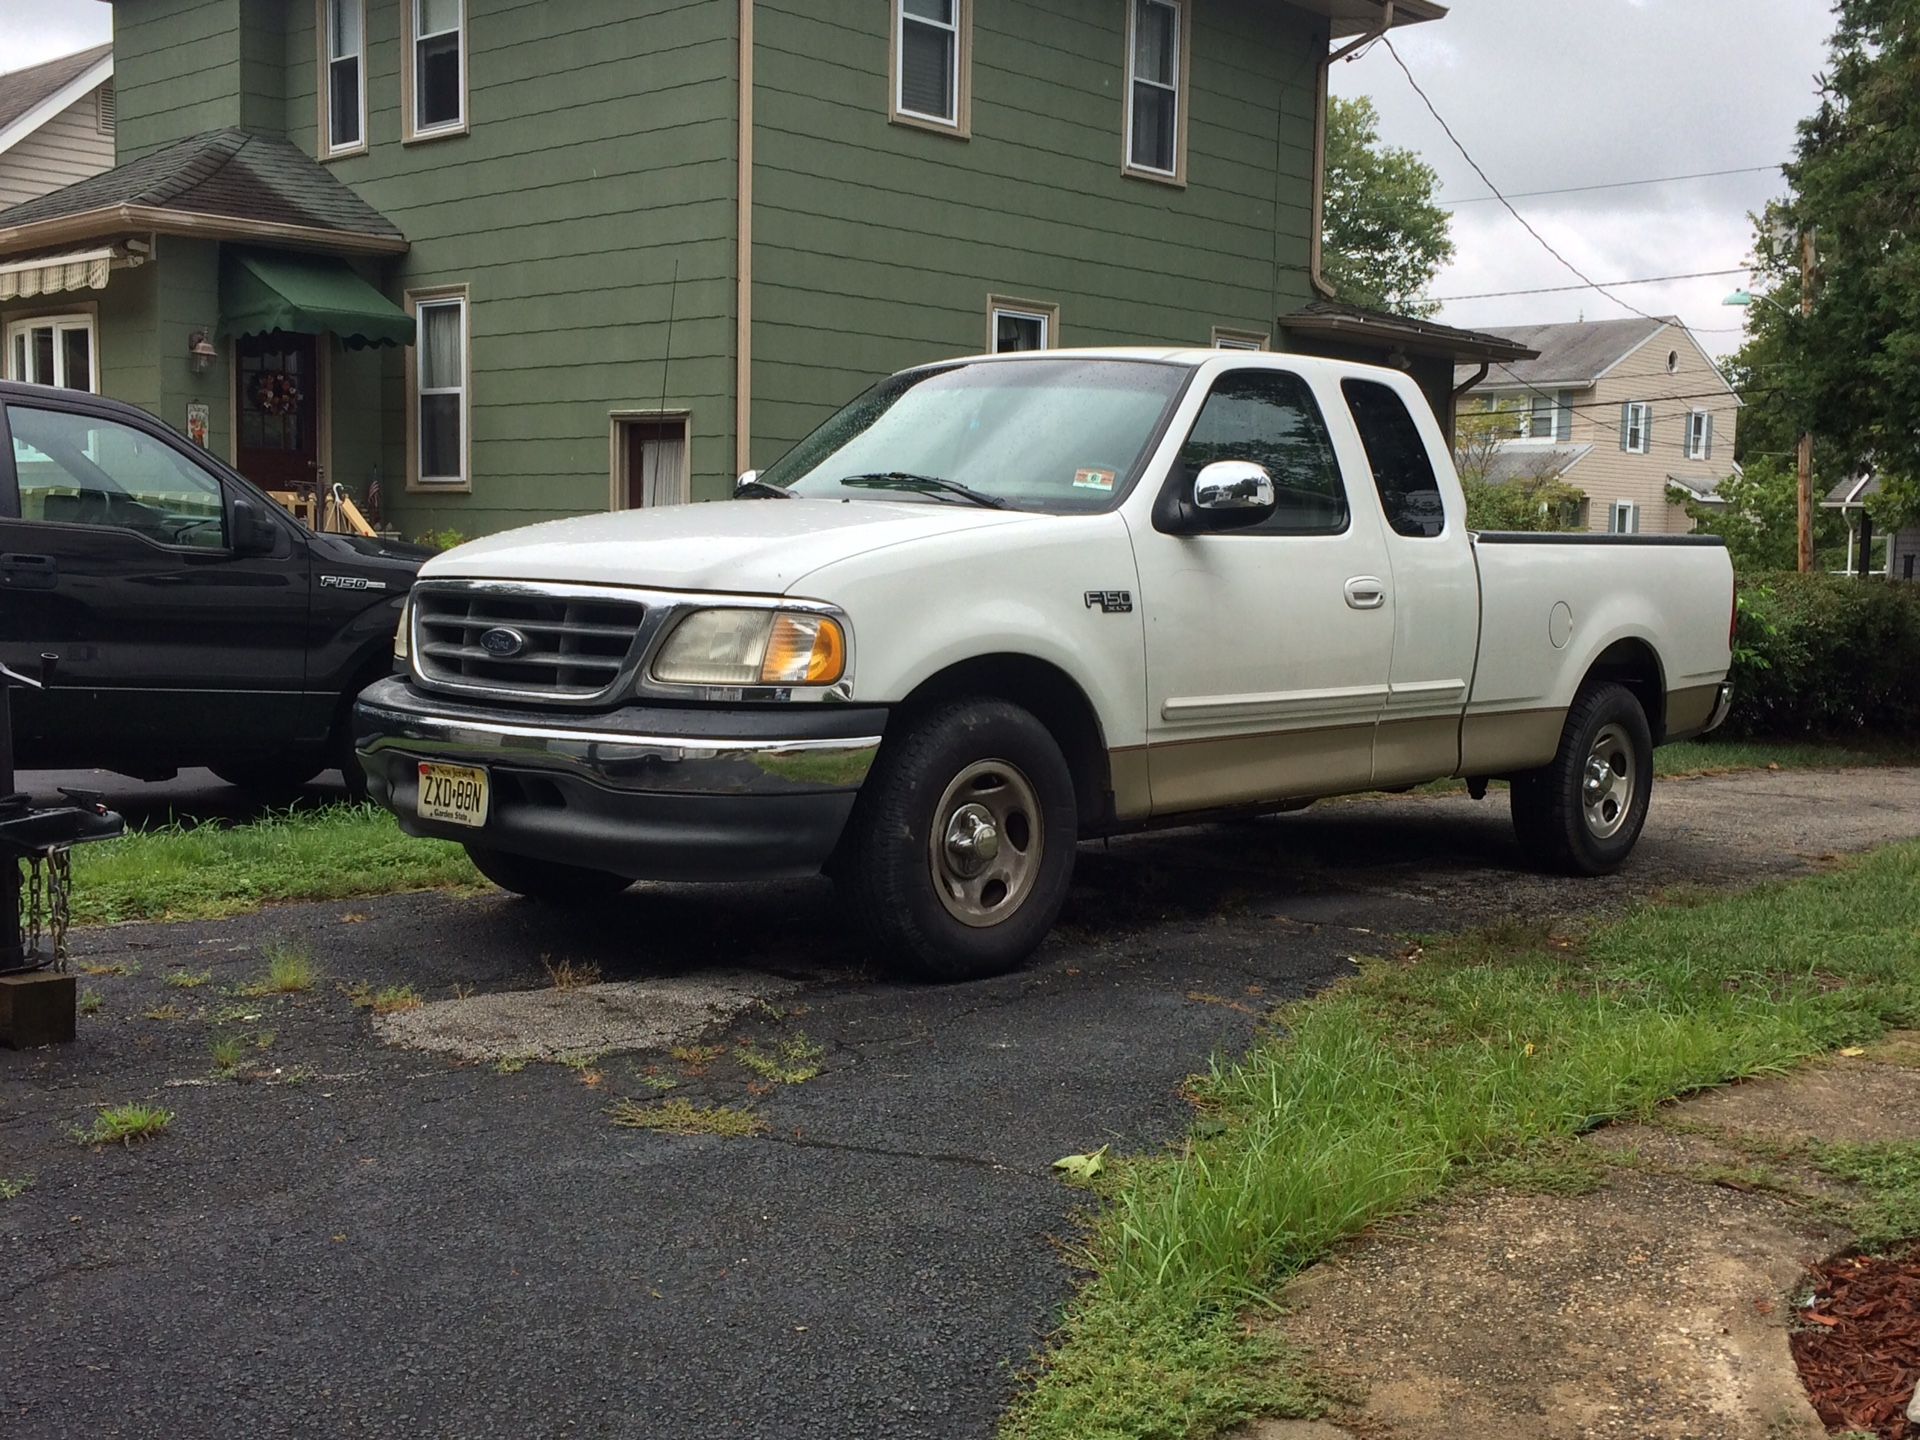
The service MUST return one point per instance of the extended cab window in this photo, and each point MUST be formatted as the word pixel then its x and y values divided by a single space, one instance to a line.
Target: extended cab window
pixel 1402 469
pixel 82 470
pixel 1269 417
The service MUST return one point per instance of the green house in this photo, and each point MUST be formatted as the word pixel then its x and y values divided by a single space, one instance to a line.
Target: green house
pixel 498 261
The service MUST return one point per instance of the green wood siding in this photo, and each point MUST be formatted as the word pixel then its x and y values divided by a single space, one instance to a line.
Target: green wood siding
pixel 600 154
pixel 177 71
pixel 876 245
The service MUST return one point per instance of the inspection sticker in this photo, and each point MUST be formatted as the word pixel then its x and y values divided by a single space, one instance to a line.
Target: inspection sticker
pixel 1093 480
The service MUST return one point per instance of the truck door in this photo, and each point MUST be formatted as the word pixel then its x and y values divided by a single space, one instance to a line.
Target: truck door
pixel 114 558
pixel 1268 649
pixel 1431 557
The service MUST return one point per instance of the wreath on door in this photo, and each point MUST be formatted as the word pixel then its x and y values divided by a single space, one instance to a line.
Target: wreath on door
pixel 277 393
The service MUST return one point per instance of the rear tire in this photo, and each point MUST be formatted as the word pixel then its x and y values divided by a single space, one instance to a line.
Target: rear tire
pixel 1582 812
pixel 961 847
pixel 545 881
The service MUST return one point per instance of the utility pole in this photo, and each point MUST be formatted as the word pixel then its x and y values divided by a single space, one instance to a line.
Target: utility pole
pixel 1806 436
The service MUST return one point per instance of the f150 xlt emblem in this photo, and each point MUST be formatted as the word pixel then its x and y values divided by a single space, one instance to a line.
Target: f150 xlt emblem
pixel 503 642
pixel 1113 602
pixel 351 582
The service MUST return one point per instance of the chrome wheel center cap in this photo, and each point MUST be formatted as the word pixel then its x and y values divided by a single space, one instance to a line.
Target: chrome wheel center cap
pixel 973 840
pixel 1599 777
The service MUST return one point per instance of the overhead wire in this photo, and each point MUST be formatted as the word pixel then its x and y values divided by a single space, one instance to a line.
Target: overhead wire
pixel 1613 185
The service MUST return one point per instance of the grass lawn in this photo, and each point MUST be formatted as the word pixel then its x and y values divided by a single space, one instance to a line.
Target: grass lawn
pixel 1419 1070
pixel 1719 757
pixel 207 871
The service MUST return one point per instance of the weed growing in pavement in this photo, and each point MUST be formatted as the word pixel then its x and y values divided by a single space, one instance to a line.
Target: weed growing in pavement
pixel 1546 1169
pixel 125 1124
pixel 510 1064
pixel 683 1117
pixel 188 979
pixel 116 967
pixel 14 1189
pixel 290 971
pixel 385 1000
pixel 568 975
pixel 697 1056
pixel 661 1083
pixel 1889 1174
pixel 235 1015
pixel 166 1012
pixel 1372 1096
pixel 795 1060
pixel 228 1051
pixel 89 1002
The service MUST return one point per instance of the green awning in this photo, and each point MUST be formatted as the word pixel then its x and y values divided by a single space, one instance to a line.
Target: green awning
pixel 308 295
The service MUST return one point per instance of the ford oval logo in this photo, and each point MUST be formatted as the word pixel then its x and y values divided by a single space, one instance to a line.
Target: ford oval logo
pixel 503 642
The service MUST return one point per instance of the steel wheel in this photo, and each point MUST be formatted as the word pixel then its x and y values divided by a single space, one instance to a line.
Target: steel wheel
pixel 986 842
pixel 1607 786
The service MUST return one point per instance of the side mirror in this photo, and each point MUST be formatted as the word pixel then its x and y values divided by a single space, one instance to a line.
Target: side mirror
pixel 1229 494
pixel 253 533
pixel 747 479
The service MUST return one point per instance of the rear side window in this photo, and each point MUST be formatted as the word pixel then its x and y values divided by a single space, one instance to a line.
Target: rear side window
pixel 1269 417
pixel 1402 469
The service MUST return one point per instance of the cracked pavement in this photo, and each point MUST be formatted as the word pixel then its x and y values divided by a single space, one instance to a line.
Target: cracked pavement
pixel 367 1239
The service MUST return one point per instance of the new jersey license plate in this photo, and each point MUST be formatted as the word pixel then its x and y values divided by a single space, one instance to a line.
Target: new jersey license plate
pixel 453 794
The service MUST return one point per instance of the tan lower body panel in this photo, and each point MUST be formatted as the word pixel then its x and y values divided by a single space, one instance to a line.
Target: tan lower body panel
pixel 1250 769
pixel 1410 752
pixel 1493 744
pixel 1689 710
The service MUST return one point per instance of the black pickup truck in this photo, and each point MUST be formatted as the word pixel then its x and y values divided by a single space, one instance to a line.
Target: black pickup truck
pixel 178 615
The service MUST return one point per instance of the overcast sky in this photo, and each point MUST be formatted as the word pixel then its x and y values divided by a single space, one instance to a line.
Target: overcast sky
pixel 1545 94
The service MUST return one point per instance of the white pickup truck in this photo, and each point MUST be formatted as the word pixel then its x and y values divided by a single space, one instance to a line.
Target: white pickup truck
pixel 1000 605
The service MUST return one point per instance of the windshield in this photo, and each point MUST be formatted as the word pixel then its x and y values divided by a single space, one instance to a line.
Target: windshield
pixel 1053 435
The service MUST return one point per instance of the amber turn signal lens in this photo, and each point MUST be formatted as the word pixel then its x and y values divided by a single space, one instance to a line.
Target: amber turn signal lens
pixel 804 650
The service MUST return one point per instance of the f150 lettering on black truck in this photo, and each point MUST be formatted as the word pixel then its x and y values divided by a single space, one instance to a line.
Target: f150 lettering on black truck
pixel 189 619
pixel 997 606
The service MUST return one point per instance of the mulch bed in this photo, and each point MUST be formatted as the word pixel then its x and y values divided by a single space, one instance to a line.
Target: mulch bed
pixel 1859 1349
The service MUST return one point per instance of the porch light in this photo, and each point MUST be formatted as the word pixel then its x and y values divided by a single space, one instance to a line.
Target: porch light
pixel 200 352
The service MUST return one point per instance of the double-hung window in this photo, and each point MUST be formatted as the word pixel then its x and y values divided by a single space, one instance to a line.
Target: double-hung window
pixel 1700 435
pixel 930 63
pixel 1015 325
pixel 1624 518
pixel 54 350
pixel 436 68
pixel 1544 416
pixel 1156 76
pixel 1636 426
pixel 441 394
pixel 343 31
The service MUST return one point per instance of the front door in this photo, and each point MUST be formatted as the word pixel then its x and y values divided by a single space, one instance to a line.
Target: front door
pixel 1268 649
pixel 279 410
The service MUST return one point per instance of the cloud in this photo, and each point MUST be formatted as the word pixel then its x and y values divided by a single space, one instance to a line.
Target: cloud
pixel 37 30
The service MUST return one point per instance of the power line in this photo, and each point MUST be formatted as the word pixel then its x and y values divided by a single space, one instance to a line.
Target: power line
pixel 1613 185
pixel 1563 289
pixel 1487 180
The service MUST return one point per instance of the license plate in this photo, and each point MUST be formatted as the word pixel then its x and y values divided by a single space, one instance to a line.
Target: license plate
pixel 455 794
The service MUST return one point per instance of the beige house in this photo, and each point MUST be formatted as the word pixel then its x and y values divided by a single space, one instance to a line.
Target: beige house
pixel 1622 410
pixel 56 124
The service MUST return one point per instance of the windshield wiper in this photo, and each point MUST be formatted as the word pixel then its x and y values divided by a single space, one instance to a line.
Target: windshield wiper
pixel 761 490
pixel 924 484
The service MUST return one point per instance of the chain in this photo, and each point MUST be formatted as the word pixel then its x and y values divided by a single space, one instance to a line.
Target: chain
pixel 48 891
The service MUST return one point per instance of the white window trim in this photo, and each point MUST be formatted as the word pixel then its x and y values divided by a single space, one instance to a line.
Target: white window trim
pixel 1225 338
pixel 66 320
pixel 1047 313
pixel 1624 518
pixel 1697 433
pixel 1526 414
pixel 463 484
pixel 1639 414
pixel 410 132
pixel 323 69
pixel 960 125
pixel 1182 71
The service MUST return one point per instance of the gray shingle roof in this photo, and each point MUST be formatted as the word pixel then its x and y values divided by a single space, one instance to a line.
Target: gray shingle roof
pixel 1570 354
pixel 21 90
pixel 232 173
pixel 1516 462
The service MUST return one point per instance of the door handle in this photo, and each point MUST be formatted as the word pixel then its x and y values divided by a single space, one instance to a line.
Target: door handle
pixel 27 572
pixel 1365 592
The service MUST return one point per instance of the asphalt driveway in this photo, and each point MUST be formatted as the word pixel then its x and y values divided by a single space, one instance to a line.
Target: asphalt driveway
pixel 370 1238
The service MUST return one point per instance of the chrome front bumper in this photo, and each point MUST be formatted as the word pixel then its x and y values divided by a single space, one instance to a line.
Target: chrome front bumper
pixel 654 792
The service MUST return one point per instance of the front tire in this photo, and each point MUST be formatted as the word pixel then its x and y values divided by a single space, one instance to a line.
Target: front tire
pixel 545 881
pixel 1582 812
pixel 961 848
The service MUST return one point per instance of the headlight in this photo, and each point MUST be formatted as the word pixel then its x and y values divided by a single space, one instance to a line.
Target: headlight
pixel 753 647
pixel 402 633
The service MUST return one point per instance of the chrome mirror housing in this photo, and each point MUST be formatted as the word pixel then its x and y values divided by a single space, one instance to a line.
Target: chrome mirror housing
pixel 746 479
pixel 1233 485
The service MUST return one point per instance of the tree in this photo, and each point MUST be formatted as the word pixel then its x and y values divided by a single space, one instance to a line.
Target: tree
pixel 1384 238
pixel 1760 520
pixel 1536 498
pixel 1851 370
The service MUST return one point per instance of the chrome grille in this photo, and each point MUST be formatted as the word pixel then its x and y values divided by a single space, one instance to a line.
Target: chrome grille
pixel 573 645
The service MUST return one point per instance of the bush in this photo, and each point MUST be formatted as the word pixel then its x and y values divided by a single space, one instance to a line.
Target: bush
pixel 1826 656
